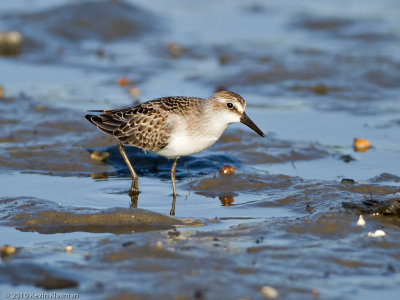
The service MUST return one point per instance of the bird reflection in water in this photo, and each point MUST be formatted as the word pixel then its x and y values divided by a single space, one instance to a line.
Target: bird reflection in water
pixel 135 198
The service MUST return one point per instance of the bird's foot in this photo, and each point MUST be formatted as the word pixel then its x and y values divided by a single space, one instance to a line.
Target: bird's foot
pixel 172 211
pixel 134 194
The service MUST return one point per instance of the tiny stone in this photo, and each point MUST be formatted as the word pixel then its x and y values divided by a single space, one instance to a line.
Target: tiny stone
pixel 7 250
pixel 174 49
pixel 226 170
pixel 320 89
pixel 348 181
pixel 377 233
pixel 100 156
pixel 347 158
pixel 226 200
pixel 69 249
pixel 361 145
pixel 159 245
pixel 269 292
pixel 134 91
pixel 361 221
pixel 122 81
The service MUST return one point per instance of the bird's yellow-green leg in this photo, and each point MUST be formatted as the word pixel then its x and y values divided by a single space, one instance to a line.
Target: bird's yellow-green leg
pixel 173 176
pixel 134 187
pixel 172 212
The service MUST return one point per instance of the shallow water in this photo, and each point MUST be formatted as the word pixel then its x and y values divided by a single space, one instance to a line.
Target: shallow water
pixel 315 76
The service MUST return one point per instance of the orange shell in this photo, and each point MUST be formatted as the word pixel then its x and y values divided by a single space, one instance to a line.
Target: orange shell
pixel 226 170
pixel 361 145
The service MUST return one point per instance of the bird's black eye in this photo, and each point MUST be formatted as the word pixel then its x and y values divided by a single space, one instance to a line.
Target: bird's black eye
pixel 229 105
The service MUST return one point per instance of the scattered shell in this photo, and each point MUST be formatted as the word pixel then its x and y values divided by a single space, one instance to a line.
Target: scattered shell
pixel 102 175
pixel 269 292
pixel 40 107
pixel 347 181
pixel 361 221
pixel 134 91
pixel 223 59
pixel 10 42
pixel 7 250
pixel 159 245
pixel 320 89
pixel 226 200
pixel 226 170
pixel 174 49
pixel 361 145
pixel 69 249
pixel 11 37
pixel 347 158
pixel 100 156
pixel 123 81
pixel 377 233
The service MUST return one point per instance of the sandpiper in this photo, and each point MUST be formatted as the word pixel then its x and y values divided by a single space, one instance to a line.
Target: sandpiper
pixel 172 126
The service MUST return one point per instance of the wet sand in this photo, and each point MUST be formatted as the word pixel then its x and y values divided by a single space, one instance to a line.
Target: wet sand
pixel 284 225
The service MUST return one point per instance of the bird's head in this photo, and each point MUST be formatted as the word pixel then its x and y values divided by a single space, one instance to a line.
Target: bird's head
pixel 231 108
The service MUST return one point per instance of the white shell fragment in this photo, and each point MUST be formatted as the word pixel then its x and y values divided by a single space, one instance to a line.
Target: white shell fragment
pixel 69 249
pixel 269 292
pixel 361 221
pixel 377 233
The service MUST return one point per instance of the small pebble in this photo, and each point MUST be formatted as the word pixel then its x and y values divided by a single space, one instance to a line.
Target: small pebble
pixel 314 292
pixel 11 37
pixel 348 181
pixel 122 81
pixel 226 170
pixel 174 49
pixel 134 91
pixel 99 156
pixel 377 233
pixel 69 249
pixel 7 250
pixel 103 175
pixel 226 200
pixel 1 91
pixel 320 89
pixel 39 108
pixel 159 245
pixel 361 145
pixel 361 221
pixel 10 42
pixel 269 292
pixel 223 59
pixel 347 158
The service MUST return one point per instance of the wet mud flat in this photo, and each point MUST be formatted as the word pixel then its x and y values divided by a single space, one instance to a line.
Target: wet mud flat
pixel 285 225
pixel 299 257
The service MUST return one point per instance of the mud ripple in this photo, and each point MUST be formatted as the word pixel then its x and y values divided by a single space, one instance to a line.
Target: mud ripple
pixel 32 214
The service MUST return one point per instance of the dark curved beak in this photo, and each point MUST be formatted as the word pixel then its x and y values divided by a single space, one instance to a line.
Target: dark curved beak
pixel 246 121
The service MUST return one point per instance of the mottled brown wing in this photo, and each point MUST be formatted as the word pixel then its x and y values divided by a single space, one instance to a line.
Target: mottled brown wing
pixel 146 125
pixel 147 129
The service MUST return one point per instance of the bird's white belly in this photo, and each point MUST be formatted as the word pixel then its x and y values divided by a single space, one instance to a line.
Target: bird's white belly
pixel 184 144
